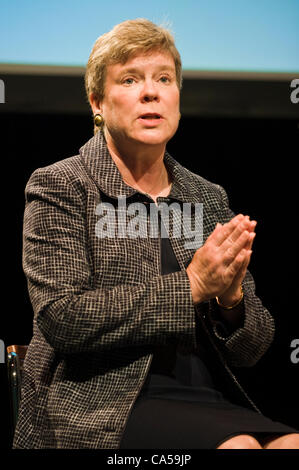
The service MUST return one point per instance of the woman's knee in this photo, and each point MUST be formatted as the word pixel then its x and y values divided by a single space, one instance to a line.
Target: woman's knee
pixel 287 441
pixel 242 441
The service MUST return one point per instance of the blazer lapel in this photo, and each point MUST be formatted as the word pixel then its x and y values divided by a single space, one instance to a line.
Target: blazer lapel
pixel 102 169
pixel 187 192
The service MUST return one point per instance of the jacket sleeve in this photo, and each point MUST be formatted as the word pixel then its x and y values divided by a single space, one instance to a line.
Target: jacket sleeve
pixel 73 316
pixel 247 344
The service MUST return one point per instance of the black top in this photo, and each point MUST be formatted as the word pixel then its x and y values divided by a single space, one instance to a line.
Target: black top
pixel 174 374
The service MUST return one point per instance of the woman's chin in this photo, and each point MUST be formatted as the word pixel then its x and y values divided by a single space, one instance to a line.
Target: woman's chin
pixel 152 137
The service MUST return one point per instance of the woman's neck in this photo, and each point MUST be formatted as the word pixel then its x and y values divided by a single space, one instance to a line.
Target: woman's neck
pixel 142 168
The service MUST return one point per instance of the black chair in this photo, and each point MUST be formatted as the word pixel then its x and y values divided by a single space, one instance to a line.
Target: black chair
pixel 15 358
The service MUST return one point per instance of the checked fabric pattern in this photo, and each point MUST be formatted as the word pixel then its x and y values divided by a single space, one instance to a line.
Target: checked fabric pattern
pixel 101 305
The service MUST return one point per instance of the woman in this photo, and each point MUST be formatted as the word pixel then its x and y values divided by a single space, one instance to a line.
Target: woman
pixel 128 329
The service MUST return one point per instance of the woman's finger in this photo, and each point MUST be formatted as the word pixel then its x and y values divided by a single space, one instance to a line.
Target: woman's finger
pixel 243 242
pixel 222 232
pixel 244 226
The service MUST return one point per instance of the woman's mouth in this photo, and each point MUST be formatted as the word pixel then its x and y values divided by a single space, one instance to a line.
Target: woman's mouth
pixel 151 118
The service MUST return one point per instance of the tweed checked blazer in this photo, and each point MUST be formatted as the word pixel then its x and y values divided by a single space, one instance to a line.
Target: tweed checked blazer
pixel 101 304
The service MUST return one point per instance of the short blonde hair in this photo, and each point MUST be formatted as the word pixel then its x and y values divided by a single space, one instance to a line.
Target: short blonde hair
pixel 124 41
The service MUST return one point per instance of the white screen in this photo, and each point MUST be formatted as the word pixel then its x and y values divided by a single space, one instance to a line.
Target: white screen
pixel 236 35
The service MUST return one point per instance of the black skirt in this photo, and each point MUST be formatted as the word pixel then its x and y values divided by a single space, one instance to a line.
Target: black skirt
pixel 179 406
pixel 168 419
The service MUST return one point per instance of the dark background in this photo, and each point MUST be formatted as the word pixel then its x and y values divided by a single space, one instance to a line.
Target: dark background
pixel 243 135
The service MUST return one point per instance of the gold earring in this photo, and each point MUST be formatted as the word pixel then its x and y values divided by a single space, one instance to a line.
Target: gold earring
pixel 98 120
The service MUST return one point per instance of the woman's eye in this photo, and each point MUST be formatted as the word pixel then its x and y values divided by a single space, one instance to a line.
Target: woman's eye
pixel 164 79
pixel 128 81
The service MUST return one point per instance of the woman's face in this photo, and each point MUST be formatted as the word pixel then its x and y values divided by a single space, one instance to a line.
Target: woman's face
pixel 141 100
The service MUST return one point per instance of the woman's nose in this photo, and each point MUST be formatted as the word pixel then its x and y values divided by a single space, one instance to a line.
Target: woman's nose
pixel 149 91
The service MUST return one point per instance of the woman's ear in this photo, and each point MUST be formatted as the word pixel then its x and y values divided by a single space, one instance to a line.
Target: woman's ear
pixel 95 104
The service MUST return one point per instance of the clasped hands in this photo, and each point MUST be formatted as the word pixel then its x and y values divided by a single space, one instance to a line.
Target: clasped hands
pixel 218 268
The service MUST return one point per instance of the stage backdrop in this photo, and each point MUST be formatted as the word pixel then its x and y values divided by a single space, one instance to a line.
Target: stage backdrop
pixel 260 35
